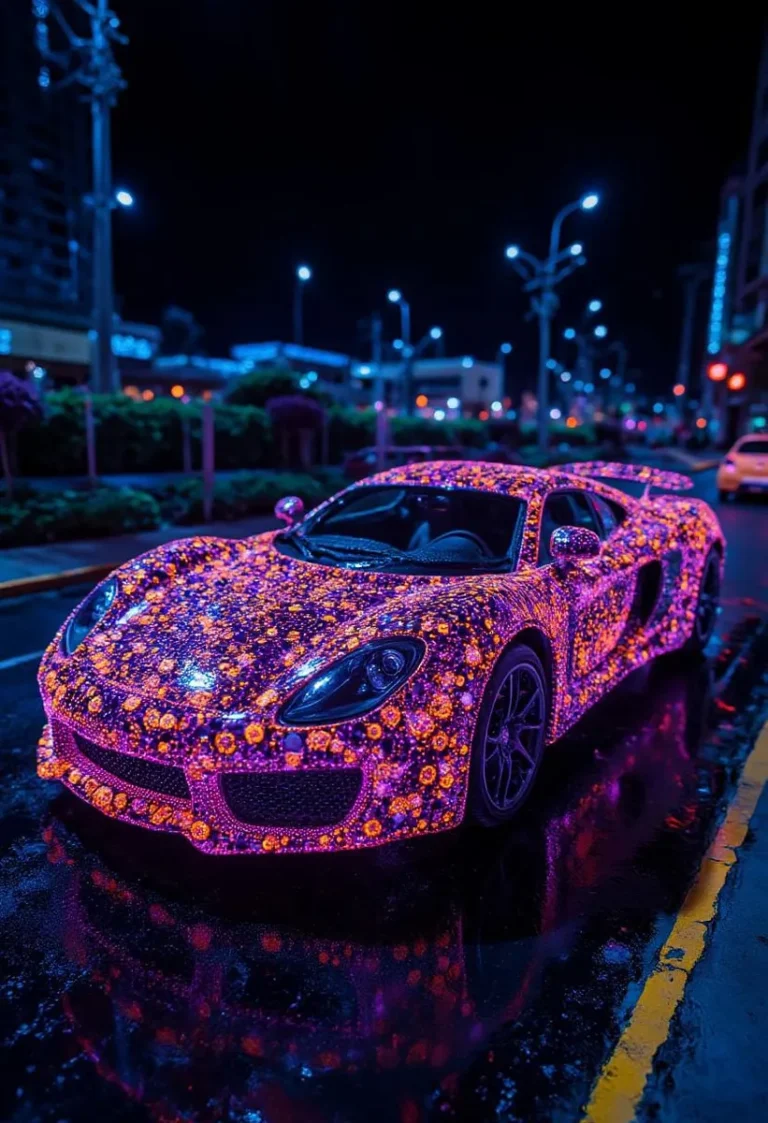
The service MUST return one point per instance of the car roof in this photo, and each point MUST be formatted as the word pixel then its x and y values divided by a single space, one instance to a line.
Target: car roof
pixel 751 437
pixel 481 475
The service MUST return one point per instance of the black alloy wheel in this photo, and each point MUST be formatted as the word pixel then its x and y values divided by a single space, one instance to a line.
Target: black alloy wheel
pixel 509 738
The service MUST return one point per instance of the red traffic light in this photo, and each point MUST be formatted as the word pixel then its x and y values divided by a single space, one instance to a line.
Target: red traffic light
pixel 717 372
pixel 737 381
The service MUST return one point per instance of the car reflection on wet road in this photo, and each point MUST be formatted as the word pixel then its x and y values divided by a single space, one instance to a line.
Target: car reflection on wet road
pixel 400 985
pixel 470 977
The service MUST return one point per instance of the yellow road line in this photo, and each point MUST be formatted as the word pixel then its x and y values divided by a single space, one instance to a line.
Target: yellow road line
pixel 619 1089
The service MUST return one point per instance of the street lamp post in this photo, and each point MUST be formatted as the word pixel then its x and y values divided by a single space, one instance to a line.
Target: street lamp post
pixel 501 358
pixel 692 276
pixel 303 274
pixel 90 63
pixel 394 296
pixel 584 347
pixel 541 279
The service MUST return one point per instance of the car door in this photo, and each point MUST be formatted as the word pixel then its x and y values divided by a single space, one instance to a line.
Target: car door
pixel 599 591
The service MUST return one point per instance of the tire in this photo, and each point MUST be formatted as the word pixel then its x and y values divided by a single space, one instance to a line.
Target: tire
pixel 509 738
pixel 707 604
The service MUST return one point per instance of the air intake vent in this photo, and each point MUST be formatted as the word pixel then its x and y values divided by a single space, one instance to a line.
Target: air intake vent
pixel 162 779
pixel 315 798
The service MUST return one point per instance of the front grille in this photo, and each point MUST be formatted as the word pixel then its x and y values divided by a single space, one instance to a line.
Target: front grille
pixel 161 778
pixel 316 798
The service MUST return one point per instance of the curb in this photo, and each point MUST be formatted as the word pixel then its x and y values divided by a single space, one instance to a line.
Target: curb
pixel 42 582
pixel 703 466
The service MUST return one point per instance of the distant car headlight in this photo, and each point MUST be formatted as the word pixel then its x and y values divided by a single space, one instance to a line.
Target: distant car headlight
pixel 356 684
pixel 89 613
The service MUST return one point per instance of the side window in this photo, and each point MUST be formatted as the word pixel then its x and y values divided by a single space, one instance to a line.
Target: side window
pixel 611 515
pixel 564 508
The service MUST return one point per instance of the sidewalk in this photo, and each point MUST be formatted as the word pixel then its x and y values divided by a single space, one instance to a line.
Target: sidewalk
pixel 680 458
pixel 24 563
pixel 713 1066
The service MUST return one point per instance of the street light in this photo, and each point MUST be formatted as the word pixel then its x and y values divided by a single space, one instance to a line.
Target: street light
pixel 594 305
pixel 303 274
pixel 569 333
pixel 124 198
pixel 435 333
pixel 601 331
pixel 541 279
pixel 506 348
pixel 394 296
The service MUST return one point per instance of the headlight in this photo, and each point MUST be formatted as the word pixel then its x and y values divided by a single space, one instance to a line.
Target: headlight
pixel 89 613
pixel 356 684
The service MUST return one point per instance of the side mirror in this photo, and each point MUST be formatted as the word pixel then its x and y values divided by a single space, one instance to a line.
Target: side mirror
pixel 289 509
pixel 573 544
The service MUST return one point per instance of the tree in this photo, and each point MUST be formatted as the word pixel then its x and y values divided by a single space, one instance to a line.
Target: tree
pixel 18 407
pixel 181 333
pixel 259 386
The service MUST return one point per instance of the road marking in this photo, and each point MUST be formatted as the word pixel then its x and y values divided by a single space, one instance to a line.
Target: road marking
pixel 17 660
pixel 619 1089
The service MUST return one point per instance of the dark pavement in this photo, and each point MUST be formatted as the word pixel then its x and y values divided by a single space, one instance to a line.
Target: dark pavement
pixel 474 977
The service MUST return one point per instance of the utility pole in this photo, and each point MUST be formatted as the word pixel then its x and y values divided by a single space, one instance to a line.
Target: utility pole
pixel 89 62
pixel 541 278
pixel 692 277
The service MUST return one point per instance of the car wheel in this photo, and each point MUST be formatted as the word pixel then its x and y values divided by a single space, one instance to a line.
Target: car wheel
pixel 707 605
pixel 509 737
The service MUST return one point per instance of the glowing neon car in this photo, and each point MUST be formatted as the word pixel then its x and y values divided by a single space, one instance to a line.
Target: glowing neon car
pixel 387 666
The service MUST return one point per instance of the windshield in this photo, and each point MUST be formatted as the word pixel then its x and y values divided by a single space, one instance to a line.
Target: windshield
pixel 753 448
pixel 418 529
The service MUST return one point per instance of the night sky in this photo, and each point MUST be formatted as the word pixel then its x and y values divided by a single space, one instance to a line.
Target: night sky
pixel 385 147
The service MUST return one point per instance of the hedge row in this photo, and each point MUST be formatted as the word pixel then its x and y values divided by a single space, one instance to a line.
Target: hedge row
pixel 137 436
pixel 35 517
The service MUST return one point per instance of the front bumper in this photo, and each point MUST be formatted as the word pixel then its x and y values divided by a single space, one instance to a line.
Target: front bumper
pixel 257 787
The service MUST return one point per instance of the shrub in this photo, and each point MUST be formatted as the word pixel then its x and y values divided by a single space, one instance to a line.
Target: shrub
pixel 257 388
pixel 243 438
pixel 51 517
pixel 424 431
pixel 235 498
pixel 349 430
pixel 18 407
pixel 136 436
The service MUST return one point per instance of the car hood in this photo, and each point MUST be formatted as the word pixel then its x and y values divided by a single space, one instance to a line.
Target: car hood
pixel 226 626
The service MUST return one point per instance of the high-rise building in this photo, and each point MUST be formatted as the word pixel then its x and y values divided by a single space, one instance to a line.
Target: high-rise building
pixel 44 162
pixel 738 309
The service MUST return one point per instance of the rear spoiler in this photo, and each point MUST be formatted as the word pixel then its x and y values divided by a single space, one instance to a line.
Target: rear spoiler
pixel 635 473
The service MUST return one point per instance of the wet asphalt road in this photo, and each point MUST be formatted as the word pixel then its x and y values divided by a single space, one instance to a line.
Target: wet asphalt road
pixel 476 977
